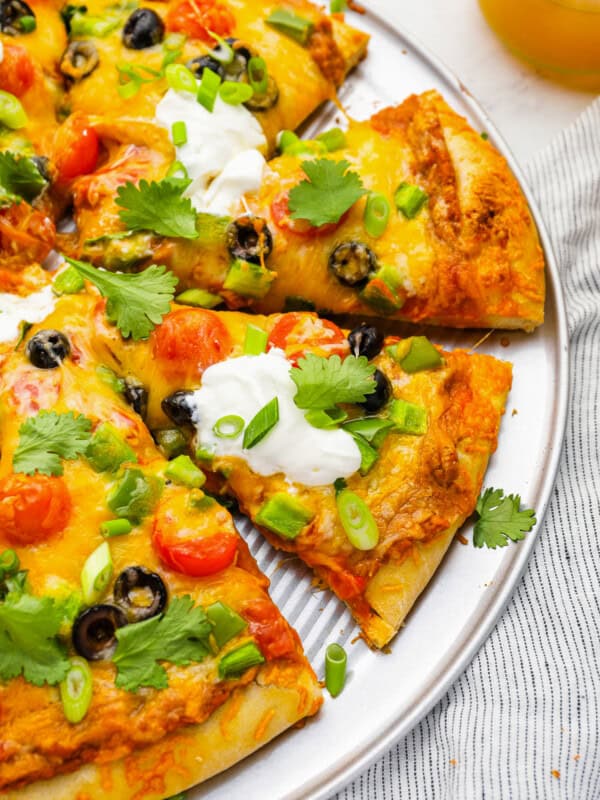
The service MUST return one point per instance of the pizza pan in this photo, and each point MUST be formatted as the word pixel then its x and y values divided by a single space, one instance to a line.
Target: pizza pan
pixel 388 693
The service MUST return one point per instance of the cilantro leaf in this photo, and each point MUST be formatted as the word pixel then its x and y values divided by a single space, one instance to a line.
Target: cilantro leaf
pixel 19 178
pixel 327 194
pixel 136 302
pixel 180 636
pixel 500 519
pixel 324 382
pixel 47 438
pixel 158 207
pixel 28 644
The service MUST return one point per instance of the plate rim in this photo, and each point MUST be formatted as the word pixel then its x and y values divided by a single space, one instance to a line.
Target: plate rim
pixel 468 646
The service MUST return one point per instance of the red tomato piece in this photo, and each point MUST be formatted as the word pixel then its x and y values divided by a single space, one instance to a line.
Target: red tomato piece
pixel 300 332
pixel 201 18
pixel 33 508
pixel 280 212
pixel 76 148
pixel 198 556
pixel 189 340
pixel 17 72
pixel 345 584
pixel 270 630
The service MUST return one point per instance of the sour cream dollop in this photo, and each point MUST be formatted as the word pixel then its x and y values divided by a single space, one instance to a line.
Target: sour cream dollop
pixel 242 386
pixel 15 309
pixel 221 154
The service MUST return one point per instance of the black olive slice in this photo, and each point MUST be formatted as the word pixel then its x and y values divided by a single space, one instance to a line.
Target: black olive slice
pixel 178 408
pixel 94 631
pixel 47 349
pixel 136 395
pixel 265 101
pixel 79 60
pixel 140 593
pixel 249 238
pixel 198 65
pixel 366 340
pixel 237 69
pixel 378 398
pixel 11 14
pixel 144 28
pixel 352 262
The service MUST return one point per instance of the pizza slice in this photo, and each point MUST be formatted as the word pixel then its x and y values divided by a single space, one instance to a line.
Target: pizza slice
pixel 410 215
pixel 140 652
pixel 274 63
pixel 360 454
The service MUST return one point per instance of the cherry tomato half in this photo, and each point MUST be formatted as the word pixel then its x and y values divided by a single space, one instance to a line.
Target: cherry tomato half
pixel 200 18
pixel 280 212
pixel 33 508
pixel 17 72
pixel 76 148
pixel 198 557
pixel 188 341
pixel 270 630
pixel 300 332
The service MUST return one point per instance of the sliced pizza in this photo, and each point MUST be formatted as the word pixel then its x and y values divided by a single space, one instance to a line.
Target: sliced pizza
pixel 362 455
pixel 140 652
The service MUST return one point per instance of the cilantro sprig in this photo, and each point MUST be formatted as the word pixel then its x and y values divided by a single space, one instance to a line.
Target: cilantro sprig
pixel 179 636
pixel 331 189
pixel 322 383
pixel 501 519
pixel 47 438
pixel 19 178
pixel 136 302
pixel 159 207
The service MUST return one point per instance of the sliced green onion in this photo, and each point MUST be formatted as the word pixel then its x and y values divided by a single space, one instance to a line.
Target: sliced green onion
pixel 107 450
pixel 115 527
pixel 199 298
pixel 129 89
pixel 225 621
pixel 306 147
pixel 258 76
pixel 171 441
pixel 208 89
pixel 82 25
pixel 237 661
pixel 255 341
pixel 181 78
pixel 135 495
pixel 325 419
pixel 223 53
pixel 373 429
pixel 420 355
pixel 9 562
pixel 234 94
pixel 357 520
pixel 110 378
pixel 334 139
pixel 96 573
pixel 409 199
pixel 261 424
pixel 368 454
pixel 69 281
pixel 285 515
pixel 204 453
pixel 27 23
pixel 377 214
pixel 408 417
pixel 183 471
pixel 229 427
pixel 200 501
pixel 177 170
pixel 285 139
pixel 76 690
pixel 12 113
pixel 290 24
pixel 179 133
pixel 335 669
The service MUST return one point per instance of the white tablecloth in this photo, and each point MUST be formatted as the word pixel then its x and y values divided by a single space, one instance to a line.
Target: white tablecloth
pixel 524 719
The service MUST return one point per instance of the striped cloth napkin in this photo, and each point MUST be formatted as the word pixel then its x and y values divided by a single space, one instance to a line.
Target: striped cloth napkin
pixel 524 719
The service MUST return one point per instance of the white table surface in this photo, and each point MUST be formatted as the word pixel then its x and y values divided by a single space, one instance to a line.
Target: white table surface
pixel 528 110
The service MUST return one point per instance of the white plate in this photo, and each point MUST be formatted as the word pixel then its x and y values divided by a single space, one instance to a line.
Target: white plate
pixel 386 695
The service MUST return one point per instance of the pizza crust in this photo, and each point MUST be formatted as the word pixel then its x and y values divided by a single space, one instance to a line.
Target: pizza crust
pixel 252 716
